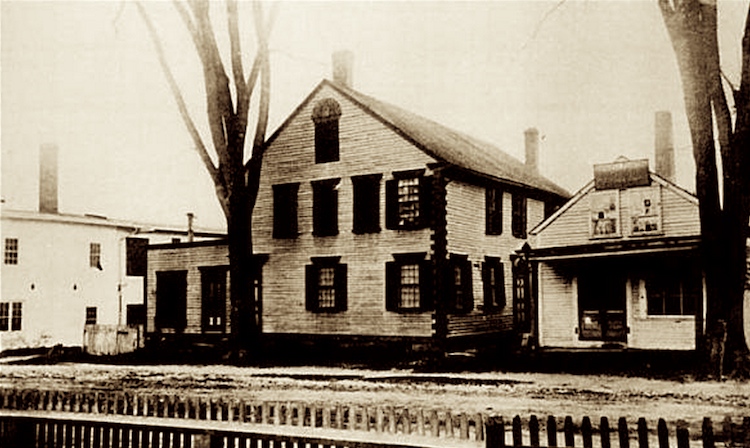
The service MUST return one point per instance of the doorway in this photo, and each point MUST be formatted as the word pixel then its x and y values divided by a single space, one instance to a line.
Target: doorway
pixel 601 302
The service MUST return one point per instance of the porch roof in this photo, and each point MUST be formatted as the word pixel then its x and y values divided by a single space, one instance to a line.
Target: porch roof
pixel 615 248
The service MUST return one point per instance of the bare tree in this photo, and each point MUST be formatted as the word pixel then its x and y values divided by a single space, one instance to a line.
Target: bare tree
pixel 724 202
pixel 235 176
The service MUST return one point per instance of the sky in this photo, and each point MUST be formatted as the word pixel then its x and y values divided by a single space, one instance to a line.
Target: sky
pixel 589 74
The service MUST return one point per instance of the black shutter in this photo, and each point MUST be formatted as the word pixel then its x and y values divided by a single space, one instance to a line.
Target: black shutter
pixel 426 287
pixel 311 287
pixel 425 202
pixel 391 204
pixel 486 285
pixel 450 286
pixel 467 285
pixel 392 281
pixel 500 285
pixel 340 282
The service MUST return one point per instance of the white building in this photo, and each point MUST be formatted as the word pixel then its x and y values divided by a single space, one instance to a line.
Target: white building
pixel 62 271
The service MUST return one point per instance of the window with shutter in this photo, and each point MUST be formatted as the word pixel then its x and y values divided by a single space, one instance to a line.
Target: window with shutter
pixel 493 277
pixel 518 224
pixel 326 115
pixel 325 207
pixel 285 210
pixel 461 297
pixel 409 283
pixel 366 213
pixel 493 211
pixel 326 281
pixel 408 200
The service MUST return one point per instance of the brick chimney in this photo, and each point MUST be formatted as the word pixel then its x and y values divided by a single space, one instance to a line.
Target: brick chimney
pixel 48 178
pixel 343 63
pixel 532 148
pixel 663 145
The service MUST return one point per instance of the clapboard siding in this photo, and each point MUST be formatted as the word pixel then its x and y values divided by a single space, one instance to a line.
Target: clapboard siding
pixel 180 258
pixel 558 313
pixel 366 147
pixel 571 227
pixel 466 235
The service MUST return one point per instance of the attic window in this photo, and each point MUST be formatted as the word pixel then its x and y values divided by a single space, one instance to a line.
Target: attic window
pixel 326 118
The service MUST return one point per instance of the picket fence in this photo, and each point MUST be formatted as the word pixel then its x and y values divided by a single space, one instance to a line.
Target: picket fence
pixel 90 416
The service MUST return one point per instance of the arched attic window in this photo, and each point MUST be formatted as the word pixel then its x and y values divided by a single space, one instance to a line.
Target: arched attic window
pixel 326 115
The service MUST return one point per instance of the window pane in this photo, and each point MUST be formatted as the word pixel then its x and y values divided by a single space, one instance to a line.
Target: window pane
pixel 15 324
pixel 408 200
pixel 4 316
pixel 409 290
pixel 11 251
pixel 326 287
pixel 95 251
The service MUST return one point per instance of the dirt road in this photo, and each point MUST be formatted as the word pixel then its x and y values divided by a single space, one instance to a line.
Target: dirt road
pixel 504 393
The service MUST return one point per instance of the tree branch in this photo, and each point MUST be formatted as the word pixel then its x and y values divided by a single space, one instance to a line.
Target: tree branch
pixel 236 50
pixel 221 190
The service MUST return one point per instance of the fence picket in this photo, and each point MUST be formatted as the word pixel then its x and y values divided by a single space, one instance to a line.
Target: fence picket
pixel 708 433
pixel 662 433
pixel 495 432
pixel 517 431
pixel 587 433
pixel 622 432
pixel 642 433
pixel 569 431
pixel 533 431
pixel 683 437
pixel 551 431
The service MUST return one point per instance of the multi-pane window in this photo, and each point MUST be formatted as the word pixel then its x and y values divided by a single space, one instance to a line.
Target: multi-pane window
pixel 4 316
pixel 408 283
pixel 493 211
pixel 326 282
pixel 326 118
pixel 673 291
pixel 493 276
pixel 325 207
pixel 11 251
pixel 95 255
pixel 285 210
pixel 408 198
pixel 518 223
pixel 366 190
pixel 11 315
pixel 90 315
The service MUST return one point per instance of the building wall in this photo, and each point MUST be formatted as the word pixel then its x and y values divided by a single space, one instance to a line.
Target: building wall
pixel 558 314
pixel 366 147
pixel 571 228
pixel 189 258
pixel 55 284
pixel 465 216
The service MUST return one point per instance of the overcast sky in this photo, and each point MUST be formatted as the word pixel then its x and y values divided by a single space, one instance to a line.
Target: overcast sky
pixel 588 74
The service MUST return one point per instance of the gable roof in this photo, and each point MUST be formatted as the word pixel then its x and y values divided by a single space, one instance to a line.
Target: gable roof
pixel 442 143
pixel 590 185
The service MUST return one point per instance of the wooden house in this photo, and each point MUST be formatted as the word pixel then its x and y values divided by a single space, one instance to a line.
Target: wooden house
pixel 617 266
pixel 375 225
pixel 381 225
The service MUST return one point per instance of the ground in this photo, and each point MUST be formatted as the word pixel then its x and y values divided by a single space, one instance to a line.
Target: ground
pixel 507 394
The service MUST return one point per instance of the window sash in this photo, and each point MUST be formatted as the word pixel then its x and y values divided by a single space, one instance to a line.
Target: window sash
pixel 409 294
pixel 15 324
pixel 4 316
pixel 408 201
pixel 518 225
pixel 11 251
pixel 494 211
pixel 95 253
pixel 91 315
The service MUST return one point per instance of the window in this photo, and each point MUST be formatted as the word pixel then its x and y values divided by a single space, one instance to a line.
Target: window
pixel 605 214
pixel 645 211
pixel 493 206
pixel 673 290
pixel 213 297
pixel 408 283
pixel 325 207
pixel 366 190
pixel 493 279
pixel 95 255
pixel 136 314
pixel 518 224
pixel 11 250
pixel 15 323
pixel 460 284
pixel 326 118
pixel 90 315
pixel 326 285
pixel 171 300
pixel 4 316
pixel 408 198
pixel 285 210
